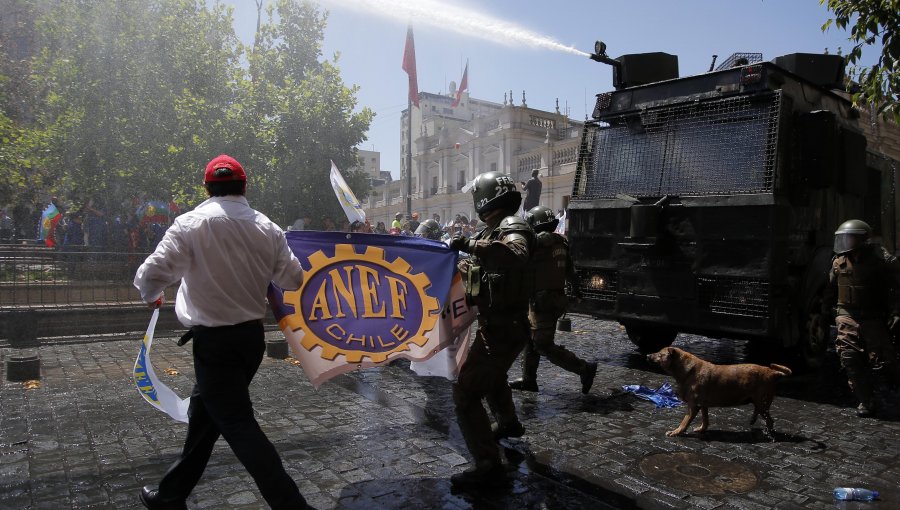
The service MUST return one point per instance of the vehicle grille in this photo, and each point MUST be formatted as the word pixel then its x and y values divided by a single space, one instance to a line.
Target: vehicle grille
pixel 598 285
pixel 721 146
pixel 729 295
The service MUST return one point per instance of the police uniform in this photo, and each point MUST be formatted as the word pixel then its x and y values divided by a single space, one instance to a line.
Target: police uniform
pixel 498 284
pixel 863 284
pixel 551 268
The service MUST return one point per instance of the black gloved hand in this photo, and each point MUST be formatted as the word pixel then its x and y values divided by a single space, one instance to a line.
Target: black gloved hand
pixel 460 243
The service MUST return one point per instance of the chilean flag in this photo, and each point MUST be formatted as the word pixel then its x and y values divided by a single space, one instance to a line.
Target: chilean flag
pixel 409 65
pixel 463 85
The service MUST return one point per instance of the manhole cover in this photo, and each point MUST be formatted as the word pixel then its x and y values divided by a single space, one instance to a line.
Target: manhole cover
pixel 699 474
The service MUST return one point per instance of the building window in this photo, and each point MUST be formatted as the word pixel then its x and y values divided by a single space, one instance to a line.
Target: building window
pixel 493 167
pixel 462 180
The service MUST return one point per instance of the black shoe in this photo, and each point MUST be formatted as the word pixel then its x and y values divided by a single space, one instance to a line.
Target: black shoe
pixel 587 377
pixel 516 430
pixel 523 385
pixel 492 475
pixel 150 498
pixel 866 410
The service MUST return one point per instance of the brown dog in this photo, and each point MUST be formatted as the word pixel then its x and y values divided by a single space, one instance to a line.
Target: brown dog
pixel 702 385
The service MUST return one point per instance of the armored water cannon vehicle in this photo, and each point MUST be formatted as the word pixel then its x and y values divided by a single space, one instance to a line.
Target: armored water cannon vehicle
pixel 707 204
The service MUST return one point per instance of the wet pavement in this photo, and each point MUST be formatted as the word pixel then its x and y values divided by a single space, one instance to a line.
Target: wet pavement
pixel 386 438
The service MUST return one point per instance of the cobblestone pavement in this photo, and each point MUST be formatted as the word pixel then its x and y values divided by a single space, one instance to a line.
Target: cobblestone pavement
pixel 385 438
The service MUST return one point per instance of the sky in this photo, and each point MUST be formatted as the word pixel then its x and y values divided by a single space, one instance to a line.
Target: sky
pixel 534 46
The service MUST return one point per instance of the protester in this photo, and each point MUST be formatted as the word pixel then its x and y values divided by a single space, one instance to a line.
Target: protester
pixel 225 254
pixel 532 190
pixel 357 226
pixel 6 227
pixel 497 283
pixel 73 229
pixel 396 224
pixel 95 227
pixel 414 222
pixel 380 229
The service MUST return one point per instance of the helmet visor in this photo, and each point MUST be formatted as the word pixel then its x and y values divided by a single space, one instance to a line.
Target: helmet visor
pixel 847 242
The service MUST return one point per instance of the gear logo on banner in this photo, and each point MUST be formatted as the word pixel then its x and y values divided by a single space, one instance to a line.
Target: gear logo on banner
pixel 361 306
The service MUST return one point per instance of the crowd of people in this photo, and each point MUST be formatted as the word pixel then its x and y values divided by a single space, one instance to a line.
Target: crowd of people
pixel 400 226
pixel 135 226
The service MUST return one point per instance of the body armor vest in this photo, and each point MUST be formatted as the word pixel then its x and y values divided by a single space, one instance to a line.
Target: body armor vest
pixel 860 283
pixel 548 262
pixel 493 287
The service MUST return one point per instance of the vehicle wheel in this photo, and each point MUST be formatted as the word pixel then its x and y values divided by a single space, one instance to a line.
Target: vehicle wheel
pixel 649 339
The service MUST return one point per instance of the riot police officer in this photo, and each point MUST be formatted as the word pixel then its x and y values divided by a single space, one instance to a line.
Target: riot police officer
pixel 429 229
pixel 497 283
pixel 864 282
pixel 551 268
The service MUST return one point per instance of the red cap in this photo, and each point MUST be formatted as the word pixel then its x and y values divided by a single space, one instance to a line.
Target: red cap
pixel 224 161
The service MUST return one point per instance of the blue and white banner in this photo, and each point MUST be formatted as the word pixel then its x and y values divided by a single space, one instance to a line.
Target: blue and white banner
pixel 150 387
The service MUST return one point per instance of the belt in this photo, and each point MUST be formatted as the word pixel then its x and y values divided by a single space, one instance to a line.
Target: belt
pixel 185 338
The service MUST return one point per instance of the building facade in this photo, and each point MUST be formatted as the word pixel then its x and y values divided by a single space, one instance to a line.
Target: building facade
pixel 451 145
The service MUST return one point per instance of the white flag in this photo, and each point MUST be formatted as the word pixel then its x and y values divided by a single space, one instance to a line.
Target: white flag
pixel 346 197
pixel 561 228
pixel 154 391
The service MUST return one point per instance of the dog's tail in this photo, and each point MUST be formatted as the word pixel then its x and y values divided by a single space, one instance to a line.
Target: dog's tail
pixel 781 369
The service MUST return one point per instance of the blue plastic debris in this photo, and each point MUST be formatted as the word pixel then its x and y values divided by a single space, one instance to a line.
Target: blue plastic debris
pixel 663 396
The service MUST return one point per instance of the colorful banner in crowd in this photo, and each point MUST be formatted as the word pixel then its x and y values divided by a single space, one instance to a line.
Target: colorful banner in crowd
pixel 154 391
pixel 49 219
pixel 366 300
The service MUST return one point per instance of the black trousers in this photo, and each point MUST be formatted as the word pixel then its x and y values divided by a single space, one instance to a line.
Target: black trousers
pixel 225 360
pixel 498 343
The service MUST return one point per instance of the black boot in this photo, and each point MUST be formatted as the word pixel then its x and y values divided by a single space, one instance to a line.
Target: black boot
pixel 587 377
pixel 516 430
pixel 484 475
pixel 524 385
pixel 151 499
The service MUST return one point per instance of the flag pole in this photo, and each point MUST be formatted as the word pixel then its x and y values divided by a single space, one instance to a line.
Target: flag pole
pixel 409 159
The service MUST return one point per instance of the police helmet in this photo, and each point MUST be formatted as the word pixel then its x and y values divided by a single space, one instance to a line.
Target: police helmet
pixel 850 235
pixel 429 229
pixel 494 190
pixel 541 219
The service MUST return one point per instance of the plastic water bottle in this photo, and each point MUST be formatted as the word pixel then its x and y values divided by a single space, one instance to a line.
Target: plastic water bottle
pixel 854 494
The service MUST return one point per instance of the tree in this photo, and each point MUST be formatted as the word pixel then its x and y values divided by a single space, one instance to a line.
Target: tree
pixel 872 22
pixel 303 116
pixel 136 94
pixel 130 98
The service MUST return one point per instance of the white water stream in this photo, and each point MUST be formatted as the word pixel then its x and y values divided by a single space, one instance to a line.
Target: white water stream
pixel 456 19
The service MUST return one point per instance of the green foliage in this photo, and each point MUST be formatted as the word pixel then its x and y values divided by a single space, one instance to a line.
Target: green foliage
pixel 872 22
pixel 131 98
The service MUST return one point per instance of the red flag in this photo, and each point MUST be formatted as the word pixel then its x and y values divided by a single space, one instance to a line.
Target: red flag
pixel 463 85
pixel 409 65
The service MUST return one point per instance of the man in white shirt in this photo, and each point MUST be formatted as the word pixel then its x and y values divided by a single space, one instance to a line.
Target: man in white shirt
pixel 225 254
